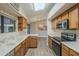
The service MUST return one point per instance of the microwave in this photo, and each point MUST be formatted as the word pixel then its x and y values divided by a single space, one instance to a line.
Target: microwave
pixel 63 24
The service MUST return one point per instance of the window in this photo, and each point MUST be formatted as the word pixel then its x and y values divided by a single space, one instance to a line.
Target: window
pixel 0 24
pixel 39 6
pixel 7 24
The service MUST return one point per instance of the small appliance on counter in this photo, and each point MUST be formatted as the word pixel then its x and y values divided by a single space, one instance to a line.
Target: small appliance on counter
pixel 68 37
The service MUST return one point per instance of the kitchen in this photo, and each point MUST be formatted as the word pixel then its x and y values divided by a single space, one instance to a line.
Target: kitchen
pixel 50 30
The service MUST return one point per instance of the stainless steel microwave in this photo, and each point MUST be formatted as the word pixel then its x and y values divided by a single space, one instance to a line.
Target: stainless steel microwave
pixel 63 24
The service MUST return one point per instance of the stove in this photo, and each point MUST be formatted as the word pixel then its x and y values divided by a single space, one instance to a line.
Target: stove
pixel 56 45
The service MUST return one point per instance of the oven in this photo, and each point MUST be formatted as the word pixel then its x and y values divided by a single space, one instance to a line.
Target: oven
pixel 56 46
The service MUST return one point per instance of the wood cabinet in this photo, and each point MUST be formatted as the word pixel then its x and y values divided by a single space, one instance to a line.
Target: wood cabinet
pixel 26 44
pixel 65 15
pixel 49 42
pixel 72 14
pixel 20 50
pixel 17 50
pixel 73 53
pixel 54 23
pixel 32 42
pixel 23 48
pixel 66 51
pixel 22 23
pixel 59 18
pixel 73 17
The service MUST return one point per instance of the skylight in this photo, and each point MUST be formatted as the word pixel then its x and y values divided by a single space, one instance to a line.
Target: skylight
pixel 39 6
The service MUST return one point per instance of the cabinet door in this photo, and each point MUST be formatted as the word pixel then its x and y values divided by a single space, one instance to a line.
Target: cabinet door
pixel 54 24
pixel 65 15
pixel 17 50
pixel 23 48
pixel 65 50
pixel 73 53
pixel 73 19
pixel 33 42
pixel 49 42
pixel 26 45
pixel 28 41
pixel 60 18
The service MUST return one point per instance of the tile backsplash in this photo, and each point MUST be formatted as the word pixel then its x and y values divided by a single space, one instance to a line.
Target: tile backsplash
pixel 58 32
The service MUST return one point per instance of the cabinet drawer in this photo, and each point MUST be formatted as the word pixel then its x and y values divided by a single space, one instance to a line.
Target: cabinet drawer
pixel 73 53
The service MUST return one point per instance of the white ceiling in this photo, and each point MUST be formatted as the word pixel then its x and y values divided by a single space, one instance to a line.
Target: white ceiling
pixel 33 15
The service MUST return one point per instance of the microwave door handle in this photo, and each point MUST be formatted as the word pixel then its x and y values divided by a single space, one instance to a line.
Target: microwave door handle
pixel 62 25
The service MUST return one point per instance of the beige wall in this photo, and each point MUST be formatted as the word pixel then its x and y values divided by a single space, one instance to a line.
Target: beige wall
pixel 34 28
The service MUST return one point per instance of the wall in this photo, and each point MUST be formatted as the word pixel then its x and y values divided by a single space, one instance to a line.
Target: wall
pixel 51 32
pixel 34 28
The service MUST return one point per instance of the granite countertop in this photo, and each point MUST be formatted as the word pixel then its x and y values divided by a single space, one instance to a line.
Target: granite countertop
pixel 10 43
pixel 73 45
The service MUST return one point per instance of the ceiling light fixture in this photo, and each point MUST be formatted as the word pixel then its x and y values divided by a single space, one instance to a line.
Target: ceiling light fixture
pixel 39 6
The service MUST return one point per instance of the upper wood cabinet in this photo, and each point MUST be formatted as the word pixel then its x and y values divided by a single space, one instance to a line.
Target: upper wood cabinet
pixel 59 18
pixel 22 23
pixel 54 23
pixel 73 17
pixel 65 15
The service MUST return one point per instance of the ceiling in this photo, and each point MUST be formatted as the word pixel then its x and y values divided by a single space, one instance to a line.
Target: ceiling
pixel 33 15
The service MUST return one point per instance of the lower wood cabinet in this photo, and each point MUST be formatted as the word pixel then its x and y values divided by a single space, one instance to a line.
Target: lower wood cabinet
pixel 32 42
pixel 73 53
pixel 17 50
pixel 66 51
pixel 49 42
pixel 22 48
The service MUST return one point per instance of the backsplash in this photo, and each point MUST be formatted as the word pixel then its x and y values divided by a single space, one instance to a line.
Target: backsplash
pixel 58 32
